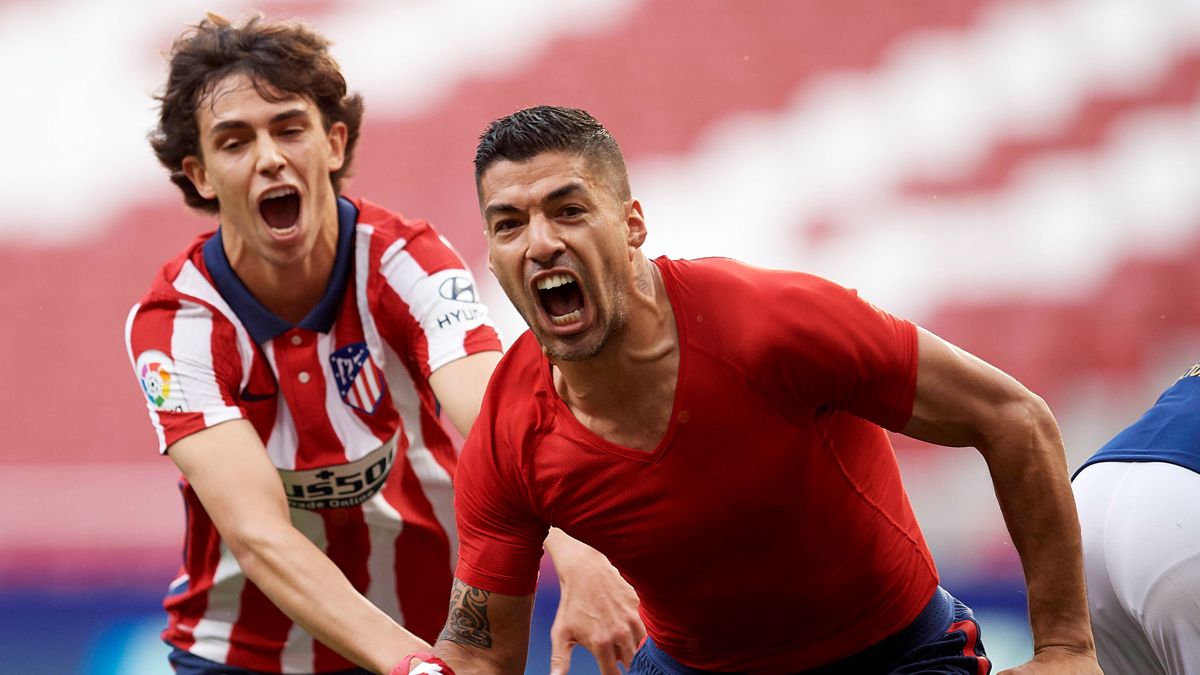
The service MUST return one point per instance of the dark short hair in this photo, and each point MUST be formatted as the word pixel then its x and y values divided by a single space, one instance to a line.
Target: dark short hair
pixel 532 131
pixel 281 58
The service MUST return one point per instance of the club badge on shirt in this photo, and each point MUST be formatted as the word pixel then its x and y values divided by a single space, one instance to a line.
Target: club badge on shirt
pixel 359 380
pixel 157 375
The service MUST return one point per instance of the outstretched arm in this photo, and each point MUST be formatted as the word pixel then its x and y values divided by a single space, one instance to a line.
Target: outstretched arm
pixel 961 401
pixel 228 468
pixel 485 633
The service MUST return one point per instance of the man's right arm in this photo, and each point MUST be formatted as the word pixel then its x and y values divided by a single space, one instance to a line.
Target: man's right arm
pixel 486 633
pixel 229 470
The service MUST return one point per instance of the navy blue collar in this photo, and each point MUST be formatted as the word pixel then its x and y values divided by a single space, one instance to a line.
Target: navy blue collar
pixel 263 324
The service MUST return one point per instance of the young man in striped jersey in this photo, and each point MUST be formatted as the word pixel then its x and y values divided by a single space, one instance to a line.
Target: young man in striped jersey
pixel 295 363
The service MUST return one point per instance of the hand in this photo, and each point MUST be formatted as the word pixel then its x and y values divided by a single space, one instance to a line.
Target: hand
pixel 1055 661
pixel 597 609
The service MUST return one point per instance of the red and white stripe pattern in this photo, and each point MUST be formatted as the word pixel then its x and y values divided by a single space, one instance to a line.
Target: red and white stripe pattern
pixel 396 545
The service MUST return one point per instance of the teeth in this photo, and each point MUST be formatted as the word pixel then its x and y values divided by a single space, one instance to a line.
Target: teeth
pixel 567 318
pixel 553 281
pixel 279 192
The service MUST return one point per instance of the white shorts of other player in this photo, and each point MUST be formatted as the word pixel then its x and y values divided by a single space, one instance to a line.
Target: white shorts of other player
pixel 1141 549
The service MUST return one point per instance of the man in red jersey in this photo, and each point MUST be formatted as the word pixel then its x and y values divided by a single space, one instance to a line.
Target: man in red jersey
pixel 295 363
pixel 718 431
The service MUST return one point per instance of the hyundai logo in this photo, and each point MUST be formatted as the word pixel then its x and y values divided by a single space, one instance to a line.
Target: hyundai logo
pixel 459 289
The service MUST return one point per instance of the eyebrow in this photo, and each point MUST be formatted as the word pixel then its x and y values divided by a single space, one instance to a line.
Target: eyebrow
pixel 564 191
pixel 275 119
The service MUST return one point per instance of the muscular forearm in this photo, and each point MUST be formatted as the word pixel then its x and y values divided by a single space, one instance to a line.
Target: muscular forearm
pixel 305 584
pixel 485 632
pixel 1029 472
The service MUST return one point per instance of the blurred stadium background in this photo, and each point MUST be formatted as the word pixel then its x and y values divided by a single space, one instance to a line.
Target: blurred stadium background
pixel 1019 177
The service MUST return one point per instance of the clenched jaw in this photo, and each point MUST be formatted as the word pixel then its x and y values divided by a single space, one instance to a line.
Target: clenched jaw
pixel 280 209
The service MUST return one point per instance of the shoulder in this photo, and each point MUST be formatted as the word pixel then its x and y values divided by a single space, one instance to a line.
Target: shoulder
pixel 517 388
pixel 727 277
pixel 181 299
pixel 738 303
pixel 180 282
pixel 393 238
pixel 518 403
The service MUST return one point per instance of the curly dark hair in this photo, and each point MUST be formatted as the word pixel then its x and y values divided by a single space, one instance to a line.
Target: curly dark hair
pixel 545 128
pixel 280 57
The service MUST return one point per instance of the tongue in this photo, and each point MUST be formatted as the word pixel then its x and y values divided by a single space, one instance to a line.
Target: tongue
pixel 562 300
pixel 281 212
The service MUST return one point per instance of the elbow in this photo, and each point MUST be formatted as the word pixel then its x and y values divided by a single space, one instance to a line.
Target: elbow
pixel 1037 419
pixel 252 546
pixel 1022 426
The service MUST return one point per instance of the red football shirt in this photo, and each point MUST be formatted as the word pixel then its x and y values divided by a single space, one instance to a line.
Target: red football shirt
pixel 768 531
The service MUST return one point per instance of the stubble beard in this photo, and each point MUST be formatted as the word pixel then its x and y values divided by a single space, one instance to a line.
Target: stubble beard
pixel 585 346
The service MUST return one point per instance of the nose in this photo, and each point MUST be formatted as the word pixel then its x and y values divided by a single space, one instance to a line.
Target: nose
pixel 270 160
pixel 544 241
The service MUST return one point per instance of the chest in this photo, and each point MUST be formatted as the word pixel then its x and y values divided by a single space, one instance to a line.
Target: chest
pixel 639 422
pixel 711 433
pixel 323 398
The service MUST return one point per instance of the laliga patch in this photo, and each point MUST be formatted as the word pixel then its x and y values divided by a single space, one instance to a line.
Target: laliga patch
pixel 359 380
pixel 160 384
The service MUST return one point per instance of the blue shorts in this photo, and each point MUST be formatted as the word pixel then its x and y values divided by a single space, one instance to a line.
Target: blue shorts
pixel 187 663
pixel 943 639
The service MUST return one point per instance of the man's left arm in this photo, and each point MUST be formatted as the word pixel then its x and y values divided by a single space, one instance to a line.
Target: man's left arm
pixel 960 401
pixel 597 608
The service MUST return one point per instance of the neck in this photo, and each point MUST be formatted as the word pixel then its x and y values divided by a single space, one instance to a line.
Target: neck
pixel 635 357
pixel 290 291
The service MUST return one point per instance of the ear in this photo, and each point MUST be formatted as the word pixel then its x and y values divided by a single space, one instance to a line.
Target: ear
pixel 338 133
pixel 635 226
pixel 193 168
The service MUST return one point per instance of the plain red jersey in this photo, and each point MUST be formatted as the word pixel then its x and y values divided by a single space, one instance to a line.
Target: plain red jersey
pixel 345 412
pixel 768 532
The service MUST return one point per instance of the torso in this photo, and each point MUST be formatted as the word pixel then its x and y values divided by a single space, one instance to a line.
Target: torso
pixel 748 482
pixel 345 412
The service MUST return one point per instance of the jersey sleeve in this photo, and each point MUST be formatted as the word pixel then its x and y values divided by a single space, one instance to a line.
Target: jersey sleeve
pixel 500 535
pixel 187 380
pixel 829 348
pixel 429 302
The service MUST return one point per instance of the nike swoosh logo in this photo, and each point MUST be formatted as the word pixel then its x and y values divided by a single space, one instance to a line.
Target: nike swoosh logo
pixel 247 395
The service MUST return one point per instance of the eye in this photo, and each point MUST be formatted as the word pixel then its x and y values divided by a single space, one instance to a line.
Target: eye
pixel 571 211
pixel 231 144
pixel 505 225
pixel 292 131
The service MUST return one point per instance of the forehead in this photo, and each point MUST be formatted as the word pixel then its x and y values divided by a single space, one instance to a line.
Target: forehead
pixel 236 98
pixel 530 180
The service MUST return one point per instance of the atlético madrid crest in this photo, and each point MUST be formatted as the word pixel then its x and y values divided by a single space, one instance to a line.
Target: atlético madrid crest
pixel 359 380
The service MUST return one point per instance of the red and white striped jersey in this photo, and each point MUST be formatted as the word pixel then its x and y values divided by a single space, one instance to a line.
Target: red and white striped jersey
pixel 342 403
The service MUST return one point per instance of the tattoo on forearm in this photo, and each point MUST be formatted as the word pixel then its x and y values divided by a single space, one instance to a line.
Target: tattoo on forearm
pixel 468 621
